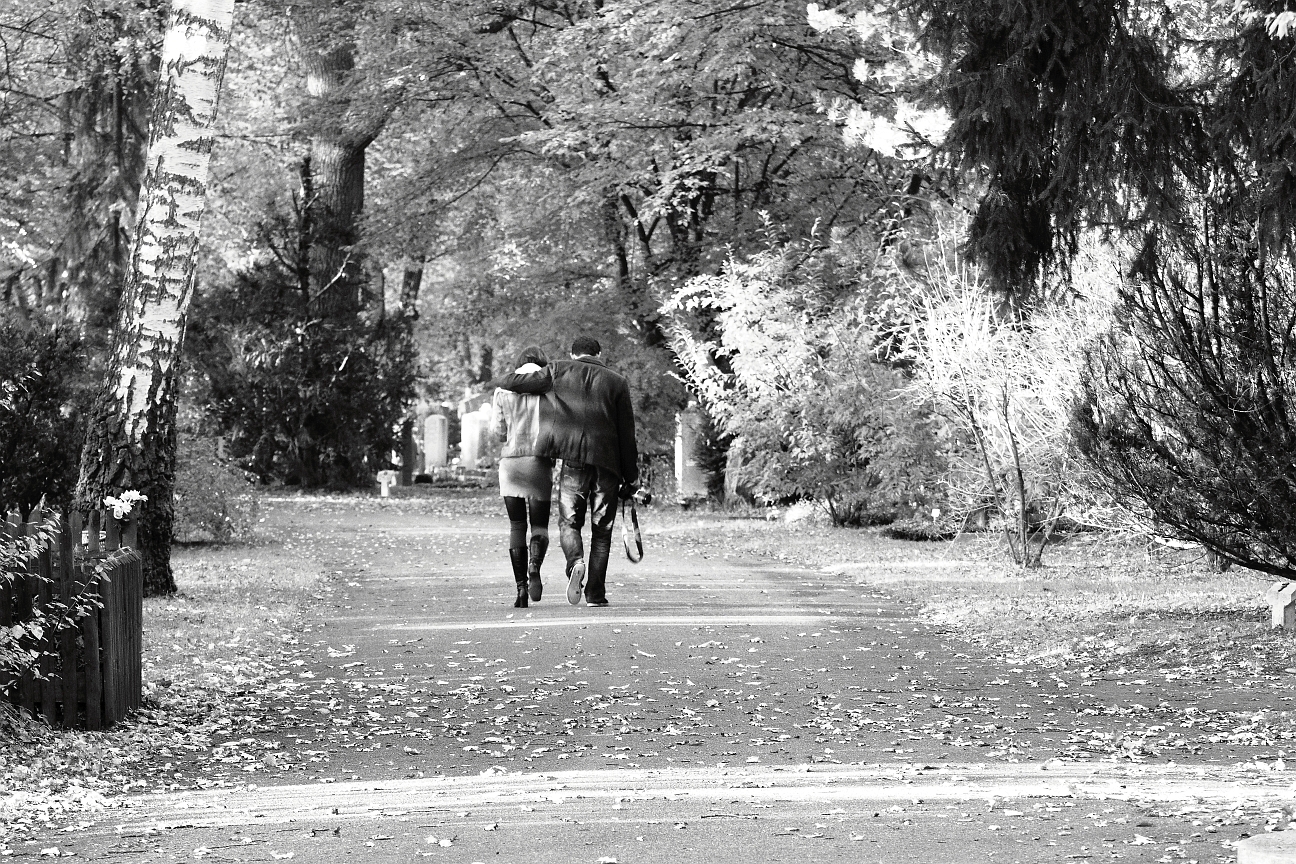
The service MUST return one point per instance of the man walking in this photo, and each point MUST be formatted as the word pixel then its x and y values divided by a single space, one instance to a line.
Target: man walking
pixel 586 420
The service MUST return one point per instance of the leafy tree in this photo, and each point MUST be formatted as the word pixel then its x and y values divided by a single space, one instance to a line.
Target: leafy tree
pixel 661 133
pixel 1005 390
pixel 131 435
pixel 805 397
pixel 302 399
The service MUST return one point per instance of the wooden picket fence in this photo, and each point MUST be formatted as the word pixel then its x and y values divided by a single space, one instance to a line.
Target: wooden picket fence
pixel 90 673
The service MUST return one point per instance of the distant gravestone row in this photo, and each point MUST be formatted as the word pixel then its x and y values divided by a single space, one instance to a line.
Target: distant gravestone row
pixel 432 454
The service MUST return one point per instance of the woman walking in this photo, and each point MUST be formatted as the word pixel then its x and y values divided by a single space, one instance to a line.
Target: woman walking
pixel 526 478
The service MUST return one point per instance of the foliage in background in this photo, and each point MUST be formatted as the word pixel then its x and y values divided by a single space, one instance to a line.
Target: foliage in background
pixel 563 169
pixel 214 500
pixel 787 358
pixel 299 399
pixel 1187 410
pixel 43 393
pixel 1068 115
pixel 78 79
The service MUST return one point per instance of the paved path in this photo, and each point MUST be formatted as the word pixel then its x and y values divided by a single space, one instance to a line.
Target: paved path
pixel 721 709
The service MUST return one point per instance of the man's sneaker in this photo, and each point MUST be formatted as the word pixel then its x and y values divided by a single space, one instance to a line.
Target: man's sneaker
pixel 602 602
pixel 575 578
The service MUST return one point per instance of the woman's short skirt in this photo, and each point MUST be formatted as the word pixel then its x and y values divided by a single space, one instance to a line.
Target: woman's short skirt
pixel 526 477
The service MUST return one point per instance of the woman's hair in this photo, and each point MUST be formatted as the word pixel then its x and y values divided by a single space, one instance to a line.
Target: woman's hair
pixel 532 354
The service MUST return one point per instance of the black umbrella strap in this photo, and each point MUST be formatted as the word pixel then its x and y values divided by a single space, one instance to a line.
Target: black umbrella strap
pixel 630 532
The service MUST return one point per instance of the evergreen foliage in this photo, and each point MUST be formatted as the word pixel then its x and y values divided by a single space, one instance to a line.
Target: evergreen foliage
pixel 1069 115
pixel 1188 407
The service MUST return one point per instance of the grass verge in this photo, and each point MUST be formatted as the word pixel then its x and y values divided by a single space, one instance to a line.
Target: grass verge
pixel 1099 599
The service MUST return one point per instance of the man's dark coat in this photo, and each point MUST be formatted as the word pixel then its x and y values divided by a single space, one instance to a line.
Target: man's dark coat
pixel 586 415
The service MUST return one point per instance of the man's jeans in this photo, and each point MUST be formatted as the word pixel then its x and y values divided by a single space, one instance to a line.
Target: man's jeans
pixel 589 488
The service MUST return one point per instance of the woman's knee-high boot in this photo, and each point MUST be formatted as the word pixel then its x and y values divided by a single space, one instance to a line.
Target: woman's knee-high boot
pixel 518 556
pixel 539 545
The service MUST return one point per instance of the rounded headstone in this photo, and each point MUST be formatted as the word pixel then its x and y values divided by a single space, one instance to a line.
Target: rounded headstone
pixel 1278 847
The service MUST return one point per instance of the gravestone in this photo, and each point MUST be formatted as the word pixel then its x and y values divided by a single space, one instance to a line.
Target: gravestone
pixel 472 433
pixel 436 441
pixel 690 478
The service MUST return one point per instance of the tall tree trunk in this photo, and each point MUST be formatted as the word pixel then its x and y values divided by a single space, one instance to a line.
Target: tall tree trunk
pixel 336 262
pixel 640 306
pixel 341 128
pixel 131 439
pixel 411 283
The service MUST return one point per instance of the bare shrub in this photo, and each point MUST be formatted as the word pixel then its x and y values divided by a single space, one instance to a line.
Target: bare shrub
pixel 1006 388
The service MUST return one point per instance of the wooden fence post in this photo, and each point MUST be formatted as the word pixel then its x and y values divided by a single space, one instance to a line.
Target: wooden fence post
pixel 67 639
pixel 133 577
pixel 110 637
pixel 90 636
pixel 44 573
pixel 23 612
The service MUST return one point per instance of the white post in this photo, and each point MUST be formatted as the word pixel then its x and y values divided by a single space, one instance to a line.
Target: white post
pixel 1278 847
pixel 1282 605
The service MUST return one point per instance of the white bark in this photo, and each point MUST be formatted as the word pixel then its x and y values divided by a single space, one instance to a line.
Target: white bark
pixel 164 250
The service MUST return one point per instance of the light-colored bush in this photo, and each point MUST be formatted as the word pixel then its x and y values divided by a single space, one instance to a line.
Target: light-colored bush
pixel 1007 387
pixel 785 352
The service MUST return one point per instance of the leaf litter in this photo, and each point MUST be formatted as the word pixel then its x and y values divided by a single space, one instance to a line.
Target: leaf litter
pixel 212 719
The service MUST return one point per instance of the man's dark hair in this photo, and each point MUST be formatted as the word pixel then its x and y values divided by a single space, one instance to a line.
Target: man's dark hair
pixel 533 354
pixel 586 345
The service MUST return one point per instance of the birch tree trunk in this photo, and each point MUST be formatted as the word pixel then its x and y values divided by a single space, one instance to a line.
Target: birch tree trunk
pixel 131 439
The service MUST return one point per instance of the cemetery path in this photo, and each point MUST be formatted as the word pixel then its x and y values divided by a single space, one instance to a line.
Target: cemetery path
pixel 723 708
